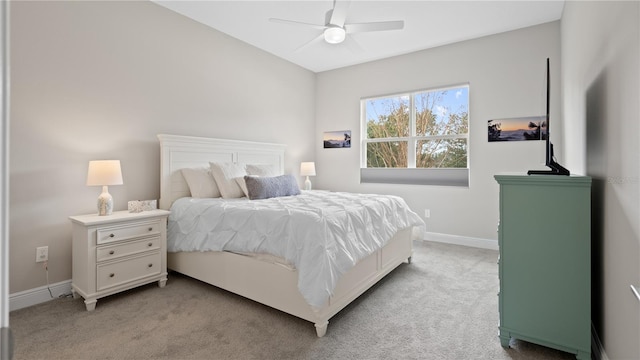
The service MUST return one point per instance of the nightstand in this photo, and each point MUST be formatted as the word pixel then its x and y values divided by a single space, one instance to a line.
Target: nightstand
pixel 118 252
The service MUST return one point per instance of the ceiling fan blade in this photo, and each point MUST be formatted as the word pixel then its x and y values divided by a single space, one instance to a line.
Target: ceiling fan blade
pixel 297 23
pixel 353 45
pixel 315 40
pixel 374 26
pixel 339 13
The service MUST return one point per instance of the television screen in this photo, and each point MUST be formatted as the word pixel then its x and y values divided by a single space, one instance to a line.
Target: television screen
pixel 550 162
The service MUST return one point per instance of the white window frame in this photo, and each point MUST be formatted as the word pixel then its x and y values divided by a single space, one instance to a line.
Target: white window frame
pixel 411 174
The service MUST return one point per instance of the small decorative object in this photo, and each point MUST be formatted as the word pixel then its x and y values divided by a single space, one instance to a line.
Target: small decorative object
pixel 148 205
pixel 136 206
pixel 104 173
pixel 307 169
pixel 517 129
pixel 337 139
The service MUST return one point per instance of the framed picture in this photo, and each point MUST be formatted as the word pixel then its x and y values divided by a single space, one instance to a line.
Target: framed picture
pixel 517 129
pixel 337 139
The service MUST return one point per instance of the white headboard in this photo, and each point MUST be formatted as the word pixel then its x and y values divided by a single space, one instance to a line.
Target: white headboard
pixel 177 152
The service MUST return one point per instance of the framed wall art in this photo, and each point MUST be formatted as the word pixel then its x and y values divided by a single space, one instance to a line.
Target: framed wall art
pixel 337 139
pixel 517 129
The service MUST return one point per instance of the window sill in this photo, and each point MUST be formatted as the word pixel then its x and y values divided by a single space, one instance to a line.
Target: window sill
pixel 439 177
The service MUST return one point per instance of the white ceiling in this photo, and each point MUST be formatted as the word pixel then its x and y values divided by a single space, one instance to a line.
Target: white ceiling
pixel 427 24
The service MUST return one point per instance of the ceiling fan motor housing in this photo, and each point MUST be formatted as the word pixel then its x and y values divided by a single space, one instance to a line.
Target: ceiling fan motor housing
pixel 334 34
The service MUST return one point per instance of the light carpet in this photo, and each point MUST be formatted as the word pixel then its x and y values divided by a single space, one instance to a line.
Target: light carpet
pixel 441 306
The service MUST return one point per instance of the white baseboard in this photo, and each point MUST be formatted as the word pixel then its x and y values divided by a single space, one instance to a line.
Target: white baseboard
pixel 462 240
pixel 38 295
pixel 597 351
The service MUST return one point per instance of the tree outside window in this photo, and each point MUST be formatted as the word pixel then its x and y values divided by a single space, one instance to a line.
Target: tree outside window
pixel 425 129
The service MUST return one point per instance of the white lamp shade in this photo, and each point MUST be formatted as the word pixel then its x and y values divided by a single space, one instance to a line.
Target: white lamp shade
pixel 104 172
pixel 334 35
pixel 308 169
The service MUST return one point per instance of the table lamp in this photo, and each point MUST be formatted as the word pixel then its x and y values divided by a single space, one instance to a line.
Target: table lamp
pixel 104 173
pixel 307 169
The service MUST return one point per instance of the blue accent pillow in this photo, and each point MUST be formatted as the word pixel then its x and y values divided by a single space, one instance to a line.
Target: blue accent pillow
pixel 268 187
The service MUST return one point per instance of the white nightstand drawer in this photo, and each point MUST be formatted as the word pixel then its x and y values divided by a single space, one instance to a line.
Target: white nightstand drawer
pixel 120 272
pixel 123 232
pixel 128 248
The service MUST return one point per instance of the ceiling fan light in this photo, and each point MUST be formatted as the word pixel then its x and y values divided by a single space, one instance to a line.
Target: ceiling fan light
pixel 334 35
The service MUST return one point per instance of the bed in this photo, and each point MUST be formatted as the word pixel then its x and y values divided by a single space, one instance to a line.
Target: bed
pixel 266 281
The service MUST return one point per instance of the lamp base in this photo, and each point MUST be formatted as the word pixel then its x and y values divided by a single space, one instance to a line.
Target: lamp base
pixel 105 202
pixel 307 184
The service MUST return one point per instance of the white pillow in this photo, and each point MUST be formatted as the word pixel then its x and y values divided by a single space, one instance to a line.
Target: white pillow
pixel 201 182
pixel 263 170
pixel 225 175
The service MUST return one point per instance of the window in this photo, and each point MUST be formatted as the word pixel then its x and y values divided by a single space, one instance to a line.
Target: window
pixel 417 138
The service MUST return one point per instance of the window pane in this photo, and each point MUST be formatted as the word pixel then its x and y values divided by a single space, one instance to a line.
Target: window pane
pixel 442 153
pixel 387 117
pixel 442 112
pixel 392 154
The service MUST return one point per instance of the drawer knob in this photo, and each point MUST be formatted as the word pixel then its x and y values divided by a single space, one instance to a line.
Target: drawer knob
pixel 150 244
pixel 111 252
pixel 150 229
pixel 112 275
pixel 111 235
pixel 150 265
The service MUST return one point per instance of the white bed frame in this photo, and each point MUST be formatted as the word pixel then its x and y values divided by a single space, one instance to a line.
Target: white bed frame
pixel 267 283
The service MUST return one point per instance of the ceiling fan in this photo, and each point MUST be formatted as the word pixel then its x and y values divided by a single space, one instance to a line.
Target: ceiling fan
pixel 335 30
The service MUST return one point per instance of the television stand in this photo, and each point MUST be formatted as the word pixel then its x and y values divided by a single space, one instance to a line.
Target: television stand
pixel 541 172
pixel 544 172
pixel 556 169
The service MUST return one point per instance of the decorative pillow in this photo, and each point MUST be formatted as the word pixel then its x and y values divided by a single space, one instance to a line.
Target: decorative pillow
pixel 263 170
pixel 243 184
pixel 201 182
pixel 269 187
pixel 225 175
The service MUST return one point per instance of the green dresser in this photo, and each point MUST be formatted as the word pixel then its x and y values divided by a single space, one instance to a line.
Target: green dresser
pixel 544 237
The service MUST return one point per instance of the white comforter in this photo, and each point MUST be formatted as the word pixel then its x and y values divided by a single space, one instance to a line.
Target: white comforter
pixel 323 234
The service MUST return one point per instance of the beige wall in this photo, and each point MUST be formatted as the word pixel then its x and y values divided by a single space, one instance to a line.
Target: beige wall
pixel 601 108
pixel 99 80
pixel 506 76
pixel 95 80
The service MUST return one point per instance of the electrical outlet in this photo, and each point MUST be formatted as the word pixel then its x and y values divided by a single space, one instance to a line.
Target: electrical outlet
pixel 427 213
pixel 42 254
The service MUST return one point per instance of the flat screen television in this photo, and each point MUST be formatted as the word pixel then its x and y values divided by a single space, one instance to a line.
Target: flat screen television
pixel 550 162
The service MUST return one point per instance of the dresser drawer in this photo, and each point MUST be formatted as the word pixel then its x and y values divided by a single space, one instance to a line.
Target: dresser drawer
pixel 109 252
pixel 130 269
pixel 128 231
